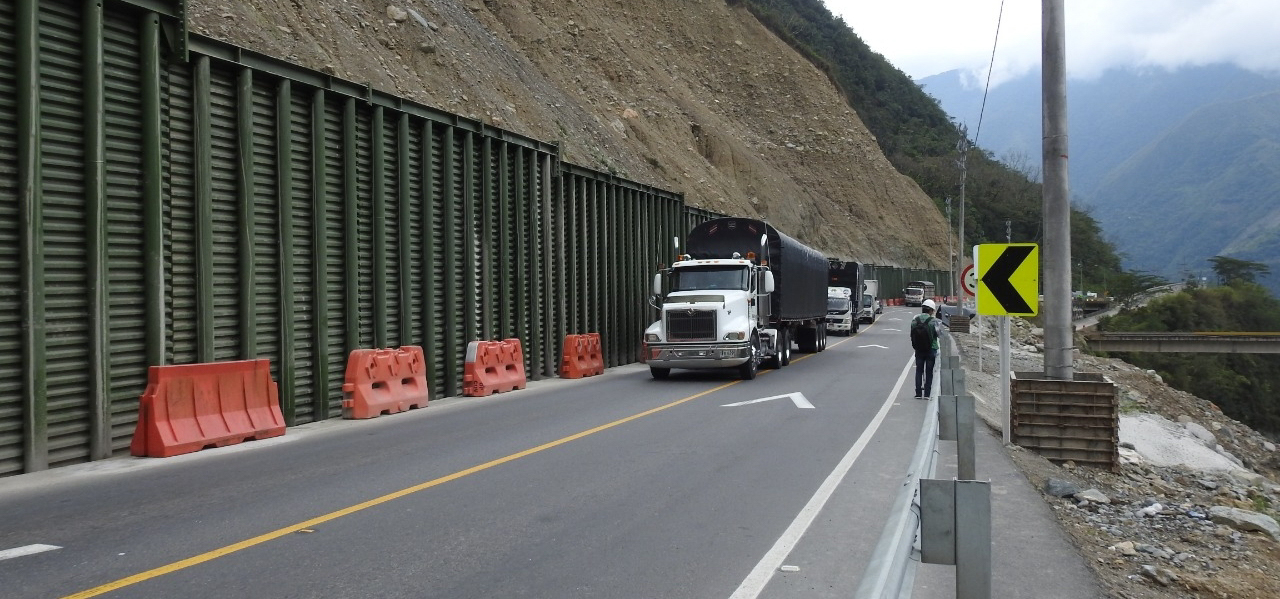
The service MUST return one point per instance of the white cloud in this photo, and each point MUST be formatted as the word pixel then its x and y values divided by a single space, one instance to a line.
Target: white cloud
pixel 926 37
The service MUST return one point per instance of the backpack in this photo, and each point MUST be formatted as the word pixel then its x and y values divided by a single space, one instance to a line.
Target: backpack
pixel 921 340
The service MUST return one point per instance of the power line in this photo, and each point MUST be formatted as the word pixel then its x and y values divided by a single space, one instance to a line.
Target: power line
pixel 990 70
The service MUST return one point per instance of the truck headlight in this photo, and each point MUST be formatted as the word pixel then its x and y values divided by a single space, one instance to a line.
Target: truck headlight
pixel 651 338
pixel 735 336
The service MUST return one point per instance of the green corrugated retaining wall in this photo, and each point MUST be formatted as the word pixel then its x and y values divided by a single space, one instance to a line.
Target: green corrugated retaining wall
pixel 180 200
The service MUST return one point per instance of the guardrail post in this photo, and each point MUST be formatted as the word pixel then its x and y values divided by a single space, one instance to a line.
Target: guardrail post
pixel 966 456
pixel 973 539
pixel 947 418
pixel 955 529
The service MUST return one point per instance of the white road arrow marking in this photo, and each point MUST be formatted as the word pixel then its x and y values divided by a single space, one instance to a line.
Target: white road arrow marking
pixel 26 550
pixel 796 398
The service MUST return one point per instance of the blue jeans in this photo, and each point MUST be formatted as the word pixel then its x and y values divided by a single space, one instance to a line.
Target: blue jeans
pixel 924 372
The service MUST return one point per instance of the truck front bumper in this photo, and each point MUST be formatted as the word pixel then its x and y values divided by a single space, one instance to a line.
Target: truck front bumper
pixel 698 355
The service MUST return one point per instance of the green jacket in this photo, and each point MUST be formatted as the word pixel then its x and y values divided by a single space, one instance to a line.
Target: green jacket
pixel 932 324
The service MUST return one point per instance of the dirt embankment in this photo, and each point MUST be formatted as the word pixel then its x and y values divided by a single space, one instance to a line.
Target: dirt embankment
pixel 694 96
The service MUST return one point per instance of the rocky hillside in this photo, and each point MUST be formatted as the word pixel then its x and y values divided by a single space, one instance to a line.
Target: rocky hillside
pixel 693 96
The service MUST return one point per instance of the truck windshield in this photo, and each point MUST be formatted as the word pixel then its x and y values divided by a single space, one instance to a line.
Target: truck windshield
pixel 839 304
pixel 697 278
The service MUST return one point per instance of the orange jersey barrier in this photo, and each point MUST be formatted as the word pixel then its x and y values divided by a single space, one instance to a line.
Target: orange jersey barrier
pixel 493 367
pixel 189 407
pixel 582 356
pixel 384 381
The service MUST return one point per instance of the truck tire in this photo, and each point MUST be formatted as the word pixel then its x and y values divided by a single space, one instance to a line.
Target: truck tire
pixel 784 347
pixel 659 373
pixel 747 371
pixel 822 338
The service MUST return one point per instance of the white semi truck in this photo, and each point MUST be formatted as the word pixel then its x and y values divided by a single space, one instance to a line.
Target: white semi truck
pixel 738 298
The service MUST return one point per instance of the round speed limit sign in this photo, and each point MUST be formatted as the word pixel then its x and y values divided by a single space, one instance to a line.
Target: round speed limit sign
pixel 969 279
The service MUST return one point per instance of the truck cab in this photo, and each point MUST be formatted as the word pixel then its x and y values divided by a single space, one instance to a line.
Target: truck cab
pixel 712 317
pixel 842 314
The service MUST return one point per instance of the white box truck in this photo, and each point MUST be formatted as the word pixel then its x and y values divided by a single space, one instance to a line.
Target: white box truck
pixel 870 301
pixel 842 316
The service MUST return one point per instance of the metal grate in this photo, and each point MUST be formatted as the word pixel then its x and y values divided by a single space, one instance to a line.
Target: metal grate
pixel 691 325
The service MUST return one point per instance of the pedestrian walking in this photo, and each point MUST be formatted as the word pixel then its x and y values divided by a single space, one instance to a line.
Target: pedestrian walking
pixel 924 341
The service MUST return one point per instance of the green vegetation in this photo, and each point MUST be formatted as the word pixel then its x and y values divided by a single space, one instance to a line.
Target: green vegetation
pixel 921 141
pixel 1245 386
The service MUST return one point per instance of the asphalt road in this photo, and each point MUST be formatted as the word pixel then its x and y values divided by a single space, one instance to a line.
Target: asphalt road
pixel 615 486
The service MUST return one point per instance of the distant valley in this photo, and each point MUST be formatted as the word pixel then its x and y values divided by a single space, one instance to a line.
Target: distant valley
pixel 1177 166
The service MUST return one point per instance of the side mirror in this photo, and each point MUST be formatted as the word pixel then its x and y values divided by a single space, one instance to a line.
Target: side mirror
pixel 657 284
pixel 768 281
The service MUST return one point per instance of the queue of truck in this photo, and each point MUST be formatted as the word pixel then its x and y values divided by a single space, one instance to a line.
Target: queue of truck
pixel 742 293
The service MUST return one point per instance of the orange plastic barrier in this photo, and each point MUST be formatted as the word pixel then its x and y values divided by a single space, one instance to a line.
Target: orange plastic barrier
pixel 189 407
pixel 384 381
pixel 493 367
pixel 582 356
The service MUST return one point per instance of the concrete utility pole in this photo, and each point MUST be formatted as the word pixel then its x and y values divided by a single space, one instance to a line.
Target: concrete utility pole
pixel 1058 338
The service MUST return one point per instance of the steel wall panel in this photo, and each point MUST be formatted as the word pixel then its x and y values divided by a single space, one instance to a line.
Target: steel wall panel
pixel 65 235
pixel 363 277
pixel 454 319
pixel 62 180
pixel 408 226
pixel 472 236
pixel 386 222
pixel 334 218
pixel 178 124
pixel 436 337
pixel 125 228
pixel 298 192
pixel 266 226
pixel 11 387
pixel 226 224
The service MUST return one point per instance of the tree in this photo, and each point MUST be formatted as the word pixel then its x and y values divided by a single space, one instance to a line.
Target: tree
pixel 1234 270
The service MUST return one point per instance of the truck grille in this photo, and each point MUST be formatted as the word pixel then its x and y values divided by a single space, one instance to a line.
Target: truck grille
pixel 691 325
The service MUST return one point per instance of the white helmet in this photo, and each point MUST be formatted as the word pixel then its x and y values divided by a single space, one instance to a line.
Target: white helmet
pixel 930 305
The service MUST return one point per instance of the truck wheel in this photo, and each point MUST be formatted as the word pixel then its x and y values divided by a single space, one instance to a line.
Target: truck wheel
pixel 747 371
pixel 822 338
pixel 784 347
pixel 659 373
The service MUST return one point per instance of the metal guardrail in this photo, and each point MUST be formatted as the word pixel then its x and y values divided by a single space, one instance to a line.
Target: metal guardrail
pixel 952 517
pixel 1206 342
pixel 891 569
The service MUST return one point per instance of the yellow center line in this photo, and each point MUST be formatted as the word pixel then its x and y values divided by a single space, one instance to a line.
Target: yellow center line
pixel 275 534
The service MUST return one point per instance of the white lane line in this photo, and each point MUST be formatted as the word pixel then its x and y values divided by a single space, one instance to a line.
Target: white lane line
pixel 755 582
pixel 26 550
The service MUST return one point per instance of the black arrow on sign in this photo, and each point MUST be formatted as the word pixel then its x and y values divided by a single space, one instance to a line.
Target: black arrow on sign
pixel 997 279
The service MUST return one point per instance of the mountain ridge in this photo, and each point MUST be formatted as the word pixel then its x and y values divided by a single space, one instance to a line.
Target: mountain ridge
pixel 1121 125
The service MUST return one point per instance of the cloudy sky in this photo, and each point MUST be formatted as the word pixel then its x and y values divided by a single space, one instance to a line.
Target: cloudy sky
pixel 926 37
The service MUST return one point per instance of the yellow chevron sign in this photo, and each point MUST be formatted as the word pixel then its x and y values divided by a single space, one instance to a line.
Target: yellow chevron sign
pixel 1008 279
